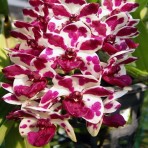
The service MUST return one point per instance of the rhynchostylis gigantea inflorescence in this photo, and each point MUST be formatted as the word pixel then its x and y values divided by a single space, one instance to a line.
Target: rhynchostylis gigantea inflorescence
pixel 58 71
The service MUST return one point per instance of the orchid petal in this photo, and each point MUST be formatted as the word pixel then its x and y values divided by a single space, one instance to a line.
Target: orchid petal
pixel 27 125
pixel 62 121
pixel 60 10
pixel 15 71
pixel 23 88
pixel 96 109
pixel 11 99
pixel 55 40
pixel 127 32
pixel 19 35
pixel 43 67
pixel 117 21
pixel 48 98
pixel 36 138
pixel 99 28
pixel 120 81
pixel 68 128
pixel 90 45
pixel 129 7
pixel 98 91
pixel 22 59
pixel 29 12
pixel 115 120
pixel 88 10
pixel 7 87
pixel 75 32
pixel 108 4
pixel 50 54
pixel 111 107
pixel 73 5
pixel 94 129
pixel 55 25
pixel 115 96
pixel 91 64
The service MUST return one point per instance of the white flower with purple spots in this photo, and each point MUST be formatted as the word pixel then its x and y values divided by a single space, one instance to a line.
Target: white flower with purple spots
pixel 111 7
pixel 70 11
pixel 82 96
pixel 73 49
pixel 114 72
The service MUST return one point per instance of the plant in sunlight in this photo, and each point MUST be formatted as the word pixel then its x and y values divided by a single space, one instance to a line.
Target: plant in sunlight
pixel 70 64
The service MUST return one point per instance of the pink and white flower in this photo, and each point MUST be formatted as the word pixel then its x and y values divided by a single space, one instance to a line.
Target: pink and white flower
pixel 111 7
pixel 69 52
pixel 114 72
pixel 72 11
pixel 82 96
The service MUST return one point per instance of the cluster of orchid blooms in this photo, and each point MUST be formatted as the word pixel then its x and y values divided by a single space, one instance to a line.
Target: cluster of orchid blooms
pixel 59 72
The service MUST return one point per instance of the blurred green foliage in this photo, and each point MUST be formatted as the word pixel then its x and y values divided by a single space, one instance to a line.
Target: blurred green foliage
pixel 142 39
pixel 4 7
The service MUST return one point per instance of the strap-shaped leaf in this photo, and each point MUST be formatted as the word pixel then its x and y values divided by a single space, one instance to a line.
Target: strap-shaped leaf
pixel 4 130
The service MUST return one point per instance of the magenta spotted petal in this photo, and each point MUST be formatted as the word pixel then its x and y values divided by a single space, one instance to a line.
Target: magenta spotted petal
pixel 94 129
pixel 72 11
pixel 121 81
pixel 116 6
pixel 29 91
pixel 15 71
pixel 11 99
pixel 31 38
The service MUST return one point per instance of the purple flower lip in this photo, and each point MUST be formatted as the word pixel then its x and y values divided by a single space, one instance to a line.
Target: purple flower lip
pixel 69 60
pixel 74 105
pixel 44 134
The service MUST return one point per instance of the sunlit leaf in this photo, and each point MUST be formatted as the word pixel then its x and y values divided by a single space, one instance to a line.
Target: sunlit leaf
pixel 17 141
pixel 4 129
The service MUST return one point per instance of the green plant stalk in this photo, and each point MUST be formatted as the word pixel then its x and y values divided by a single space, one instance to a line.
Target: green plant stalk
pixel 137 74
pixel 5 20
pixel 4 7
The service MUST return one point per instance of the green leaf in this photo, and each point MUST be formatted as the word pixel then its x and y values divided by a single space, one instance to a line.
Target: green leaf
pixel 137 74
pixel 4 110
pixel 142 51
pixel 93 1
pixel 13 138
pixel 4 7
pixel 4 130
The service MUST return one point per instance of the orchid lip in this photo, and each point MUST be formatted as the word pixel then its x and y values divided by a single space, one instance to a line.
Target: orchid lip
pixel 74 105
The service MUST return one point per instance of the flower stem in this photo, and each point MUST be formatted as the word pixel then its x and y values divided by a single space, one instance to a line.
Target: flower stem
pixel 4 7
